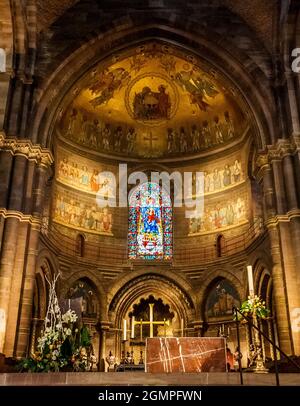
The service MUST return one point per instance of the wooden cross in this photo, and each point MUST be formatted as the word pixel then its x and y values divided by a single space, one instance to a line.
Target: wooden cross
pixel 151 138
pixel 151 323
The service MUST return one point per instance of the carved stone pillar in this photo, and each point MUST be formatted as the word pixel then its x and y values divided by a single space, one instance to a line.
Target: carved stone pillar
pixel 102 348
pixel 17 183
pixel 22 340
pixel 6 161
pixel 23 335
pixel 16 288
pixel 8 252
pixel 290 184
pixel 279 186
pixel 284 276
pixel 22 202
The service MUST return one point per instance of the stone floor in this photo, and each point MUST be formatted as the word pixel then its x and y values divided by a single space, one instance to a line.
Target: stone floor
pixel 141 378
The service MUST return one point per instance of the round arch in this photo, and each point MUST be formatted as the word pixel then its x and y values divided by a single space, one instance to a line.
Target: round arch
pixel 55 89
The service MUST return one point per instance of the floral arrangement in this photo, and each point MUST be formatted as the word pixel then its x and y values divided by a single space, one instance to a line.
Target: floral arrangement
pixel 254 305
pixel 62 345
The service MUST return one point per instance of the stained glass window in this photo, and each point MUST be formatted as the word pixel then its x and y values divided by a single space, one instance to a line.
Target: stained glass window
pixel 150 223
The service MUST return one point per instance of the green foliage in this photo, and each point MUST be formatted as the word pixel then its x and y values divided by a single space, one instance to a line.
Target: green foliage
pixel 254 305
pixel 85 337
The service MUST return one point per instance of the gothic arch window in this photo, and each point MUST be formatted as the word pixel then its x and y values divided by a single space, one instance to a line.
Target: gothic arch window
pixel 80 243
pixel 150 223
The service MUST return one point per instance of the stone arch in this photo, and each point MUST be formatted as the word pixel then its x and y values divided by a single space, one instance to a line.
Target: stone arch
pixel 89 276
pixel 263 282
pixel 260 259
pixel 144 284
pixel 55 88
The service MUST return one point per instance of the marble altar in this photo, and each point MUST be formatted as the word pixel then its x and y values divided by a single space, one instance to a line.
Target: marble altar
pixel 185 354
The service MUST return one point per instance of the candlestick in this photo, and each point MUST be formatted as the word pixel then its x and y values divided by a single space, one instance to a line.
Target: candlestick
pixel 250 280
pixel 132 326
pixel 141 330
pixel 151 305
pixel 124 329
pixel 182 328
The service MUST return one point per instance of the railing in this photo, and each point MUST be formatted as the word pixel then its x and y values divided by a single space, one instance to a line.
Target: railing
pixel 108 248
pixel 237 312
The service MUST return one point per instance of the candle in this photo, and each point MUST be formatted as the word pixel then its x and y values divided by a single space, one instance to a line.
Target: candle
pixel 124 329
pixel 151 305
pixel 250 280
pixel 132 326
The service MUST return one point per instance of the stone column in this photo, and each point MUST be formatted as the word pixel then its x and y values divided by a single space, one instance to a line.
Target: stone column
pixel 6 161
pixel 13 201
pixel 268 190
pixel 279 186
pixel 16 106
pixel 8 252
pixel 290 184
pixel 294 112
pixel 278 269
pixel 23 335
pixel 17 184
pixel 30 267
pixel 16 288
pixel 102 348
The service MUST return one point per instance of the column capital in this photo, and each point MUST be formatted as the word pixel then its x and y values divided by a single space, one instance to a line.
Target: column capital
pixel 261 164
pixel 283 147
pixel 32 152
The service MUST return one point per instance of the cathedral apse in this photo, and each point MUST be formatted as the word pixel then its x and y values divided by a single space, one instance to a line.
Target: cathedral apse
pixel 153 101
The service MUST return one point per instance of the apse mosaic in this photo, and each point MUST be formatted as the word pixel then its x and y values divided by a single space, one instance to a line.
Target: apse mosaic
pixel 229 212
pixel 221 299
pixel 150 223
pixel 152 101
pixel 81 212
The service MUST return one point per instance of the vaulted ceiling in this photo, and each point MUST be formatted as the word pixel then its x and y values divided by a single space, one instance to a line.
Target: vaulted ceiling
pixel 258 14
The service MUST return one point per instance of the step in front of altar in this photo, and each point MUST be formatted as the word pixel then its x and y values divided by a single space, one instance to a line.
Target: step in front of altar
pixel 138 378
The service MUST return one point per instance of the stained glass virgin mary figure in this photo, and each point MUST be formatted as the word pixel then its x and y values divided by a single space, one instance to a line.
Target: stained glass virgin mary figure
pixel 150 223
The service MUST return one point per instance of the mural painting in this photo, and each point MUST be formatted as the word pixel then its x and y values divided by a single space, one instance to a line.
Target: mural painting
pixel 81 212
pixel 222 297
pixel 169 99
pixel 84 174
pixel 81 289
pixel 222 214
